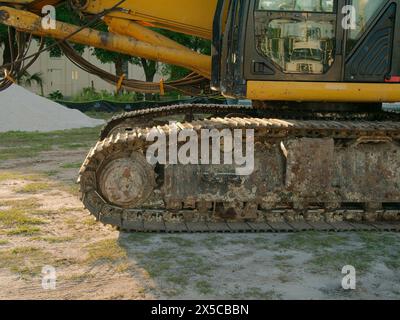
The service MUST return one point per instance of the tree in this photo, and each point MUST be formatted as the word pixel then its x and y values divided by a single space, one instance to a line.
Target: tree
pixel 28 79
pixel 4 43
pixel 65 14
pixel 194 43
pixel 121 62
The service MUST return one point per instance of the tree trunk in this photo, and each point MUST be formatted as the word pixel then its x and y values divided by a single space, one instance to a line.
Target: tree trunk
pixel 150 69
pixel 6 54
pixel 119 67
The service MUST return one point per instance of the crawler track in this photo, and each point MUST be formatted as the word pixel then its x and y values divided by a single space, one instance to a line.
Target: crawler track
pixel 202 212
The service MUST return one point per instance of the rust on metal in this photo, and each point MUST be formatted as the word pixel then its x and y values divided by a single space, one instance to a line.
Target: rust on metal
pixel 309 175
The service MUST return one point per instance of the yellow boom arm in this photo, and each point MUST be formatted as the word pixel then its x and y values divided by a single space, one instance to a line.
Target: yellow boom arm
pixel 127 32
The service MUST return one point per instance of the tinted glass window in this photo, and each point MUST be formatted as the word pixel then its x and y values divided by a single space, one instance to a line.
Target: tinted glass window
pixel 364 10
pixel 296 5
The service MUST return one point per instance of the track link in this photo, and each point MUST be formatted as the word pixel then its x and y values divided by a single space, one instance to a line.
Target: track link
pixel 164 216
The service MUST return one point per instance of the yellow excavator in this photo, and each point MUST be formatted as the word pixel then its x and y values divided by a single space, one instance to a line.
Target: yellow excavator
pixel 326 152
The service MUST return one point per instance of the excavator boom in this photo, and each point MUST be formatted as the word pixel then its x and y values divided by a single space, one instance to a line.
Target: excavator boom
pixel 191 17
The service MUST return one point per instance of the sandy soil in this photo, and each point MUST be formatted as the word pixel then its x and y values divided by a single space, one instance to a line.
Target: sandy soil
pixel 93 261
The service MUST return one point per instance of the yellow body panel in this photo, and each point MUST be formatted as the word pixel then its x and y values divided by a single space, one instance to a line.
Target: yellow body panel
pixel 194 17
pixel 323 91
pixel 132 29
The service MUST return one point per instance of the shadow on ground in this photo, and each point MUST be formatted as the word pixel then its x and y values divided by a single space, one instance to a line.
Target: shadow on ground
pixel 265 266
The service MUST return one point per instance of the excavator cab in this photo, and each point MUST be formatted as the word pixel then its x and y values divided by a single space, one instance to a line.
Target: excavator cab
pixel 267 43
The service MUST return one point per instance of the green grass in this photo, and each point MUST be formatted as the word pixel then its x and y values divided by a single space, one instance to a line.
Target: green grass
pixel 24 230
pixel 15 144
pixel 25 204
pixel 25 261
pixel 373 247
pixel 90 221
pixel 9 175
pixel 180 241
pixel 51 173
pixel 107 250
pixel 213 241
pixel 335 261
pixel 3 242
pixel 256 293
pixel 204 287
pixel 15 217
pixel 71 188
pixel 33 187
pixel 164 264
pixel 71 165
pixel 4 176
pixel 55 239
pixel 311 241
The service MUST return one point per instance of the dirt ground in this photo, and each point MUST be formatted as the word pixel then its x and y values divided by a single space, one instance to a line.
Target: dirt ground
pixel 43 223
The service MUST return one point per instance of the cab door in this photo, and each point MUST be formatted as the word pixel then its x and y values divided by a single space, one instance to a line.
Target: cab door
pixel 294 40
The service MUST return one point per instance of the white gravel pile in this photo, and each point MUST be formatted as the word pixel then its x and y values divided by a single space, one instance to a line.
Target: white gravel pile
pixel 22 110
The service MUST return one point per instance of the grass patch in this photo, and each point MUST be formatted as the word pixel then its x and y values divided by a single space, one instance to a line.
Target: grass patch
pixel 90 221
pixel 177 269
pixel 16 144
pixel 71 188
pixel 26 261
pixel 180 241
pixel 25 204
pixel 122 267
pixel 71 165
pixel 382 245
pixel 165 264
pixel 33 187
pixel 3 242
pixel 256 293
pixel 140 238
pixel 24 230
pixel 204 287
pixel 105 251
pixel 4 176
pixel 373 247
pixel 284 257
pixel 80 277
pixel 55 239
pixel 16 217
pixel 330 261
pixel 312 241
pixel 51 173
pixel 9 175
pixel 213 241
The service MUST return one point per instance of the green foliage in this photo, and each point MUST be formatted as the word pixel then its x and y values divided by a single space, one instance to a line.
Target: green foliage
pixel 56 95
pixel 91 94
pixel 3 35
pixel 65 14
pixel 106 56
pixel 196 44
pixel 28 79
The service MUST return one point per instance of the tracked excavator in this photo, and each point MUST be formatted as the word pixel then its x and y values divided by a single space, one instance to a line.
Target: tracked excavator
pixel 326 153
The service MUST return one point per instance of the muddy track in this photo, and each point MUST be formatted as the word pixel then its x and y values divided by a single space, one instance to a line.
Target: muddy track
pixel 202 213
pixel 145 117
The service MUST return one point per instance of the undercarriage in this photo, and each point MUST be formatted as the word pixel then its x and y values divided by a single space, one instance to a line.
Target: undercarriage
pixel 314 172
